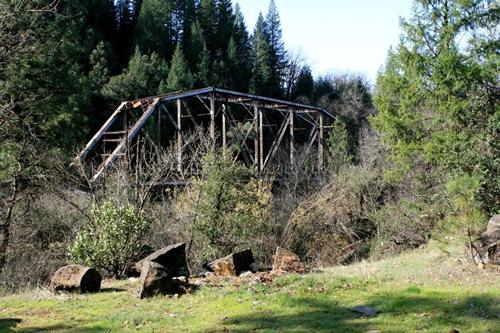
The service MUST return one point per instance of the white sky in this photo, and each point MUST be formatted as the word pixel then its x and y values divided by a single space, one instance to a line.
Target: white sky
pixel 337 35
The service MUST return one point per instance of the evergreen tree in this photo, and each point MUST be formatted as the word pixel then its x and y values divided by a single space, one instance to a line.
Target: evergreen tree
pixel 140 79
pixel 224 24
pixel 102 16
pixel 204 69
pixel 155 28
pixel 433 95
pixel 277 46
pixel 304 89
pixel 239 54
pixel 262 68
pixel 179 76
pixel 190 16
pixel 195 46
pixel 127 12
pixel 208 23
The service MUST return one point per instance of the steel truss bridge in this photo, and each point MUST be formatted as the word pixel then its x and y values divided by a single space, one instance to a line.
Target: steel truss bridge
pixel 256 130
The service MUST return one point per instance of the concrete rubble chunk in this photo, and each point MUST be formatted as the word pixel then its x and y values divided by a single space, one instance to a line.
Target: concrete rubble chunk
pixel 233 265
pixel 172 258
pixel 76 278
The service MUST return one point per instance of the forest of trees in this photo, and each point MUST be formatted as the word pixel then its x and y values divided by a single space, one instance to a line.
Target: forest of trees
pixel 416 154
pixel 84 57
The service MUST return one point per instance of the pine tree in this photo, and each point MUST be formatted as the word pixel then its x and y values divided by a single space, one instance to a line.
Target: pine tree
pixel 102 16
pixel 261 83
pixel 140 79
pixel 99 74
pixel 434 103
pixel 224 24
pixel 154 28
pixel 190 16
pixel 204 76
pixel 127 12
pixel 278 52
pixel 208 23
pixel 179 76
pixel 240 56
pixel 304 88
pixel 195 46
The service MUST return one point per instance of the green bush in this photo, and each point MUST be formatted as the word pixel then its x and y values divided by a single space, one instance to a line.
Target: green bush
pixel 113 238
pixel 229 208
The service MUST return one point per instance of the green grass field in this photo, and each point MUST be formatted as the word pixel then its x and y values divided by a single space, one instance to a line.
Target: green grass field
pixel 427 290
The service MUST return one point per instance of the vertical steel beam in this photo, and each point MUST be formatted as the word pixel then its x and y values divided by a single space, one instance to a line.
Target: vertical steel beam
pixel 179 136
pixel 321 137
pixel 256 138
pixel 224 136
pixel 261 141
pixel 158 124
pixel 212 119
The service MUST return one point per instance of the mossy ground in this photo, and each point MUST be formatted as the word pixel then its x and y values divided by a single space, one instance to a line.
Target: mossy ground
pixel 427 290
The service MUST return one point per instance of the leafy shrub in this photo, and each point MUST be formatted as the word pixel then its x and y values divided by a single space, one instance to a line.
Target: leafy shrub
pixel 227 206
pixel 112 239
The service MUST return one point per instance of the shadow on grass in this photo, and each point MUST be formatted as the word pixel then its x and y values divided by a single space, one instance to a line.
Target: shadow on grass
pixel 111 290
pixel 437 311
pixel 8 325
pixel 310 315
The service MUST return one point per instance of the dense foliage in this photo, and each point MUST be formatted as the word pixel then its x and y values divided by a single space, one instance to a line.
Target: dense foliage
pixel 228 206
pixel 114 237
pixel 437 95
pixel 414 158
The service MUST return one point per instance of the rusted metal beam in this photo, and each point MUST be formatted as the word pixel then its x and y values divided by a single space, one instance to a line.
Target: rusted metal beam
pixel 321 138
pixel 179 136
pixel 98 136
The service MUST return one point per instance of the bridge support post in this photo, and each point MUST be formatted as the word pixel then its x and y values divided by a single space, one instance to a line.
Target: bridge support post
pixel 179 136
pixel 224 133
pixel 256 136
pixel 261 141
pixel 321 137
pixel 212 120
pixel 158 127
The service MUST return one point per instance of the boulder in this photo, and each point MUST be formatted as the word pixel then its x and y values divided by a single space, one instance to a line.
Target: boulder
pixel 131 270
pixel 156 280
pixel 172 258
pixel 287 261
pixel 490 240
pixel 232 265
pixel 76 278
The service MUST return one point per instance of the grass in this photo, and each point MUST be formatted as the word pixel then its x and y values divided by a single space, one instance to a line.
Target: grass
pixel 427 290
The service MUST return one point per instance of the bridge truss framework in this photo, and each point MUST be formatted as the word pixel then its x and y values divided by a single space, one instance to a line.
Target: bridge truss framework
pixel 261 126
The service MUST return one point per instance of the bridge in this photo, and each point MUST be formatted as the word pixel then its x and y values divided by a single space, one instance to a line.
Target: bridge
pixel 256 130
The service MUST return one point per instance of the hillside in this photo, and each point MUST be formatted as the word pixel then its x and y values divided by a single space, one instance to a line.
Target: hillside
pixel 432 289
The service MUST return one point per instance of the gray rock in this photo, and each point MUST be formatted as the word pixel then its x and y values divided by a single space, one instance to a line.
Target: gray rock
pixel 172 258
pixel 232 265
pixel 156 280
pixel 365 310
pixel 489 241
pixel 76 278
